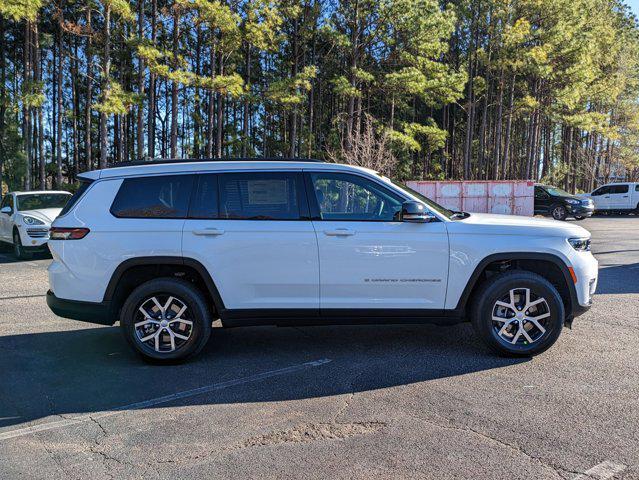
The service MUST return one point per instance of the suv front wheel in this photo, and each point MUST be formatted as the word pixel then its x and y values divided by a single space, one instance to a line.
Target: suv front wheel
pixel 518 313
pixel 166 320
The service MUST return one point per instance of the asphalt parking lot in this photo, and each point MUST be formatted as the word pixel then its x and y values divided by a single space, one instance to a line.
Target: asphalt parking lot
pixel 329 402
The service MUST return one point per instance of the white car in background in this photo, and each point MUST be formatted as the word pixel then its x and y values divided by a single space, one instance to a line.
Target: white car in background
pixel 616 197
pixel 25 219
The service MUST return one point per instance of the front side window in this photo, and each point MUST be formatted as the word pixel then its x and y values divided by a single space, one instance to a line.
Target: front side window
pixel 259 196
pixel 6 202
pixel 342 196
pixel 601 191
pixel 165 196
pixel 540 193
pixel 38 201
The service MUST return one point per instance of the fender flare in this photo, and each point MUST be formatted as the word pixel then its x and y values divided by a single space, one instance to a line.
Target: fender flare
pixel 514 256
pixel 164 260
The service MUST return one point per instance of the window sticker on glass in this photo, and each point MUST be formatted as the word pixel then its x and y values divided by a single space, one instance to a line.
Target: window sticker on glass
pixel 267 192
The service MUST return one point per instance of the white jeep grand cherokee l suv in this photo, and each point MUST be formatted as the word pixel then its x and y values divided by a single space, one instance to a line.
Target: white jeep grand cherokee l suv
pixel 167 247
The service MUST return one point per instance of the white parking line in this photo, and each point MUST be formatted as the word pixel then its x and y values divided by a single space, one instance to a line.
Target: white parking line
pixel 20 432
pixel 603 471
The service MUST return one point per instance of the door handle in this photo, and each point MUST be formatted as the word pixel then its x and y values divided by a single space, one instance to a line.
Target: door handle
pixel 625 196
pixel 208 231
pixel 340 232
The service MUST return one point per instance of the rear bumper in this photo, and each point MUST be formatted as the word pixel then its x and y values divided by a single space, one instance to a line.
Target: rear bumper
pixel 100 313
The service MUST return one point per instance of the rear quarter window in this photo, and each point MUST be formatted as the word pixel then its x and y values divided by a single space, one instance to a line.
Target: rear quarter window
pixel 164 196
pixel 84 185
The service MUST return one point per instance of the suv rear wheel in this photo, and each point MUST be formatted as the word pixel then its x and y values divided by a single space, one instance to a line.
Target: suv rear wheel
pixel 518 313
pixel 166 320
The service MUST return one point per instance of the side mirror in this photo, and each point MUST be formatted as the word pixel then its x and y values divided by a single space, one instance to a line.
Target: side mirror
pixel 6 210
pixel 415 212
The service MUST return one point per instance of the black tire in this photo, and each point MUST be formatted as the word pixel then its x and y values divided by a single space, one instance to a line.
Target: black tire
pixel 484 307
pixel 196 312
pixel 558 212
pixel 18 249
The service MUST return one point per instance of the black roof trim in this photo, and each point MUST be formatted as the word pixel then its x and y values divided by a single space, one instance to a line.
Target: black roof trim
pixel 164 161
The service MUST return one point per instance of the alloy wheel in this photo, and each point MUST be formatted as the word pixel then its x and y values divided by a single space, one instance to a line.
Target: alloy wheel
pixel 559 213
pixel 521 317
pixel 163 323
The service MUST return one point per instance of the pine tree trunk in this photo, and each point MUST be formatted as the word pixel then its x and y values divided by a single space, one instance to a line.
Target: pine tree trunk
pixel 141 69
pixel 58 147
pixel 106 72
pixel 174 88
pixel 151 108
pixel 211 110
pixel 89 97
pixel 3 108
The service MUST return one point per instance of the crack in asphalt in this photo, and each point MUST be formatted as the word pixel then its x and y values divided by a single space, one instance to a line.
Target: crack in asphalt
pixel 516 448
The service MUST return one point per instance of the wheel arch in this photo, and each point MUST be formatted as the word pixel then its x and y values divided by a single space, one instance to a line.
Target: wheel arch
pixel 134 270
pixel 540 263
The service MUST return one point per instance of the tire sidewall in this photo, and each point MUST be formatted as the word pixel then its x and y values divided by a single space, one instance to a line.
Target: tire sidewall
pixel 552 212
pixel 482 314
pixel 185 292
pixel 18 248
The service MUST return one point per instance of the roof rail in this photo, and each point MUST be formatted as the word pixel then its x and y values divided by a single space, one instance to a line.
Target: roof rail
pixel 163 161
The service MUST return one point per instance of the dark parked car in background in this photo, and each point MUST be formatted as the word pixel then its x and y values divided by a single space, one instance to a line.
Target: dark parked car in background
pixel 560 204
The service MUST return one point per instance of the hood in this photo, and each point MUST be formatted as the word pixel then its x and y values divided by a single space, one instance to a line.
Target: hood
pixel 46 215
pixel 493 224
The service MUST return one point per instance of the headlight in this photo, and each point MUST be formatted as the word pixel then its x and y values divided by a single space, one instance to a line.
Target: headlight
pixel 580 244
pixel 572 201
pixel 32 221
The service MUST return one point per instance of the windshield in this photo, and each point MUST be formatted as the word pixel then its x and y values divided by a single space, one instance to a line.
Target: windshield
pixel 38 201
pixel 558 192
pixel 435 206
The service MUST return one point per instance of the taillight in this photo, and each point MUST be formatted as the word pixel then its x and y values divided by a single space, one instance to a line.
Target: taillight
pixel 57 233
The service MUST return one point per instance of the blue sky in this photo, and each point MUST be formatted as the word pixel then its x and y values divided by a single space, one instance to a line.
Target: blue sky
pixel 634 5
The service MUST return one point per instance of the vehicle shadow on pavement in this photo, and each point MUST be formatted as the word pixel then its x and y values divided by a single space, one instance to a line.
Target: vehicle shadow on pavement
pixel 90 370
pixel 9 258
pixel 618 279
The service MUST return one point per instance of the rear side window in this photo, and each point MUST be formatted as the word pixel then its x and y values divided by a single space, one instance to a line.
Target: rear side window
pixel 205 201
pixel 84 184
pixel 259 196
pixel 619 189
pixel 165 196
pixel 637 188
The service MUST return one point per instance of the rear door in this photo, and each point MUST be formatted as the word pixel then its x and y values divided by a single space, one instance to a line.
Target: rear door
pixel 370 261
pixel 252 232
pixel 601 198
pixel 619 197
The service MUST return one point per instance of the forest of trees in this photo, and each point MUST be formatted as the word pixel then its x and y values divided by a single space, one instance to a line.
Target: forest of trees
pixel 422 89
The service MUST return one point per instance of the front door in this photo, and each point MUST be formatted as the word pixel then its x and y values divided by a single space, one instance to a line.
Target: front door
pixel 5 218
pixel 542 201
pixel 368 259
pixel 601 198
pixel 252 232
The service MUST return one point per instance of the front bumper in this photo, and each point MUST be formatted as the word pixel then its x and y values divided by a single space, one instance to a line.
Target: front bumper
pixel 100 313
pixel 580 210
pixel 34 236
